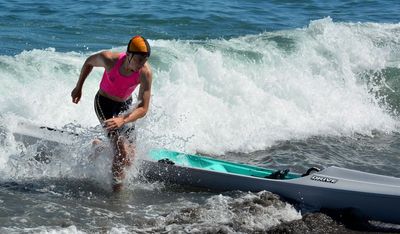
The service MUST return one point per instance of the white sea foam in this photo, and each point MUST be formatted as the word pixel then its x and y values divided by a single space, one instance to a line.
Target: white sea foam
pixel 246 93
pixel 252 212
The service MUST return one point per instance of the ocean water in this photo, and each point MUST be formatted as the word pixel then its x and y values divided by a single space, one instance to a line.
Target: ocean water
pixel 285 84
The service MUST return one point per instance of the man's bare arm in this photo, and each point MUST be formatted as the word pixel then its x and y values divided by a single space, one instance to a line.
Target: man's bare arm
pixel 102 59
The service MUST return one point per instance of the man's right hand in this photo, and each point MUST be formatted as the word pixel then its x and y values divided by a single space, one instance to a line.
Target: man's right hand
pixel 76 95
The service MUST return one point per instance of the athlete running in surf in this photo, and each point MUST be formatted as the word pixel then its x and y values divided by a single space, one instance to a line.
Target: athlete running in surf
pixel 123 73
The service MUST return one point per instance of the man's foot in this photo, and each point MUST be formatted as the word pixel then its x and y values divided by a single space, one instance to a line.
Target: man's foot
pixel 97 147
pixel 96 141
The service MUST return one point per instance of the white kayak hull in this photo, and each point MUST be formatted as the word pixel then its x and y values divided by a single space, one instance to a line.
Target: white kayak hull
pixel 374 197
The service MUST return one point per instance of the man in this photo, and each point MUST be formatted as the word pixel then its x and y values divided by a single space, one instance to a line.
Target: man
pixel 123 73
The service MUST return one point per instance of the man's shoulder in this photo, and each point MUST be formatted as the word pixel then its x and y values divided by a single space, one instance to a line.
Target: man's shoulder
pixel 109 58
pixel 146 70
pixel 110 55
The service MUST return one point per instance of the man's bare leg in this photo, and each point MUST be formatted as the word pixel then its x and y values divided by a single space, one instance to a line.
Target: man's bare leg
pixel 122 159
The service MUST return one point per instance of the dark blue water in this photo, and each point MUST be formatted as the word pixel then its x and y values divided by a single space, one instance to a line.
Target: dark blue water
pixel 285 84
pixel 84 25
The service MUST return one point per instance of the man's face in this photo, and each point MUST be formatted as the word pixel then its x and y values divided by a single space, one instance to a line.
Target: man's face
pixel 136 61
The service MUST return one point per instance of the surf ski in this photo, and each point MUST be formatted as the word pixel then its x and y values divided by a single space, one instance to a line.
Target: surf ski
pixel 372 196
pixel 31 133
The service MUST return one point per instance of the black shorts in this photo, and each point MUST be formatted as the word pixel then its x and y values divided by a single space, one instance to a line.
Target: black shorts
pixel 106 109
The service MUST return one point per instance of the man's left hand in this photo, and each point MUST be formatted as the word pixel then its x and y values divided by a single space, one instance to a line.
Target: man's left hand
pixel 114 123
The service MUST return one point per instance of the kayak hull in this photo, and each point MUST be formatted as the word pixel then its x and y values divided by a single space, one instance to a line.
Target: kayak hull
pixel 331 188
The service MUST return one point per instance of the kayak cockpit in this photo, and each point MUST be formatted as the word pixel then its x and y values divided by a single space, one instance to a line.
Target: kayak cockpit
pixel 211 164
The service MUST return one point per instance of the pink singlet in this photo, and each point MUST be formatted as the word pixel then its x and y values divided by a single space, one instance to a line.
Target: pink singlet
pixel 118 85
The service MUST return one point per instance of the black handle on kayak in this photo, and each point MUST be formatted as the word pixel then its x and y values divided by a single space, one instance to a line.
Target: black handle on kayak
pixel 166 161
pixel 316 169
pixel 279 175
pixel 58 130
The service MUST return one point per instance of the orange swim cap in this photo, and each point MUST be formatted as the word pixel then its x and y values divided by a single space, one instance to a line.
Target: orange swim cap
pixel 139 45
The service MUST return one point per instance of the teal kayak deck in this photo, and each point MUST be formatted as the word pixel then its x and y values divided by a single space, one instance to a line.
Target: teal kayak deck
pixel 206 163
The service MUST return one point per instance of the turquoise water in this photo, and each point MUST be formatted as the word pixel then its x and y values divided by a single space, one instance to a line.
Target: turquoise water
pixel 283 84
